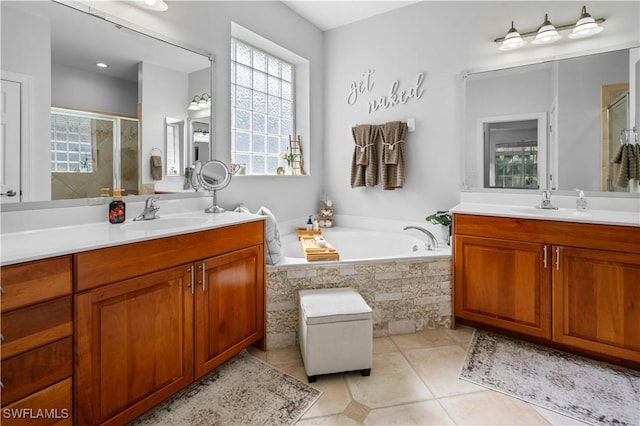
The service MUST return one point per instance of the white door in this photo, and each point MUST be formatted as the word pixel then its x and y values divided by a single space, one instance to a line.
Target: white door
pixel 9 142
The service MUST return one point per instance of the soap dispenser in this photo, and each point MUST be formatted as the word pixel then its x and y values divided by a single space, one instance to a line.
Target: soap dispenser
pixel 309 224
pixel 581 201
pixel 117 208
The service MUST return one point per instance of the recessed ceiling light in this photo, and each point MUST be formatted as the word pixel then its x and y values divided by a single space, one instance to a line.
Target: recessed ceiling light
pixel 101 65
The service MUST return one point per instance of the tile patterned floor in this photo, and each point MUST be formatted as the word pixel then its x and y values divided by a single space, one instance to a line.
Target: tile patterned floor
pixel 414 381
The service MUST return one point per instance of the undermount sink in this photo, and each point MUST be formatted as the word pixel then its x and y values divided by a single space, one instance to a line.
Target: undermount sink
pixel 560 213
pixel 163 224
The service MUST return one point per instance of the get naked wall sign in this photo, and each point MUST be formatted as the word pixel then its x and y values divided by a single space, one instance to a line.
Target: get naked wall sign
pixel 395 96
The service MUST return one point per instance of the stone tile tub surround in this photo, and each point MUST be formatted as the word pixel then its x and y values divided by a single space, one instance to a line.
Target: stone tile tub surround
pixel 406 295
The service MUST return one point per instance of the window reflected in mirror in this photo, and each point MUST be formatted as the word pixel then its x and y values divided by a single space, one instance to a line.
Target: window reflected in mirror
pixel 512 153
pixel 92 151
pixel 175 146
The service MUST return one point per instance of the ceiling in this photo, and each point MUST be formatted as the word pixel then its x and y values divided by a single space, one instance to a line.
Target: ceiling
pixel 329 14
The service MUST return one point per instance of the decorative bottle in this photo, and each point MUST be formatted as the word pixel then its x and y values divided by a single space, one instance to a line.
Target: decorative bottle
pixel 117 208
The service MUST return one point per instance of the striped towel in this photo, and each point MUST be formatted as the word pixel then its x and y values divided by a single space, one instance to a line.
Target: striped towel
pixel 626 158
pixel 393 165
pixel 364 165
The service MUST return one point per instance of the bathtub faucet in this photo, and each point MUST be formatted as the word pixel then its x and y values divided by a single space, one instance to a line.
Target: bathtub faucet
pixel 430 238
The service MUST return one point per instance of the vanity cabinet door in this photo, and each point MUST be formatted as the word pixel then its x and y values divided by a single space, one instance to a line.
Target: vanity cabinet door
pixel 503 283
pixel 229 306
pixel 134 345
pixel 596 301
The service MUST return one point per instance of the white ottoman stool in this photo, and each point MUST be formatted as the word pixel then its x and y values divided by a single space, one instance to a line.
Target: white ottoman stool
pixel 335 332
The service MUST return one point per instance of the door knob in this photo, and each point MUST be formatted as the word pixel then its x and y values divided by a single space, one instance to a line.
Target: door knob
pixel 9 193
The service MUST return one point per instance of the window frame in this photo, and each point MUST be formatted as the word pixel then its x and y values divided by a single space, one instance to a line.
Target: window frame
pixel 274 163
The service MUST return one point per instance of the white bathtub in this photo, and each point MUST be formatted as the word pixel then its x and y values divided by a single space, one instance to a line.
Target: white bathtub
pixel 356 244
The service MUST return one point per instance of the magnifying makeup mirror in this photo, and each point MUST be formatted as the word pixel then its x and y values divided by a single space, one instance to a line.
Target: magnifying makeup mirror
pixel 213 176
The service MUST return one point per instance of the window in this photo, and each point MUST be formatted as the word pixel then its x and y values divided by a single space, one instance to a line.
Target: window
pixel 262 109
pixel 71 143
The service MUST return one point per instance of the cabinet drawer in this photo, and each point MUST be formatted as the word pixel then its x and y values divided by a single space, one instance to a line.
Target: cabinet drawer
pixel 27 328
pixel 51 405
pixel 35 370
pixel 98 267
pixel 573 234
pixel 37 281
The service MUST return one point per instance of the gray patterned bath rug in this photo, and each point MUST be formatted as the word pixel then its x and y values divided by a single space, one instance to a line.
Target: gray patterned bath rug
pixel 590 391
pixel 242 391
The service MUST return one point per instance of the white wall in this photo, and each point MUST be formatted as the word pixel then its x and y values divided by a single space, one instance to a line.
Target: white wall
pixel 164 92
pixel 443 39
pixel 29 54
pixel 79 89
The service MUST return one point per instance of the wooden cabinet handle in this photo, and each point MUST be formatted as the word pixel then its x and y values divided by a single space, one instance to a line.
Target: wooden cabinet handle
pixel 544 256
pixel 191 280
pixel 557 258
pixel 202 280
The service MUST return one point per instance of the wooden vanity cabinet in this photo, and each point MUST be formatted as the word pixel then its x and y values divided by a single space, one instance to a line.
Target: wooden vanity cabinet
pixel 180 307
pixel 596 301
pixel 229 306
pixel 134 345
pixel 504 284
pixel 37 343
pixel 576 285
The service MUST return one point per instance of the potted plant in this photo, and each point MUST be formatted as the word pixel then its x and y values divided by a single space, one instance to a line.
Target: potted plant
pixel 441 218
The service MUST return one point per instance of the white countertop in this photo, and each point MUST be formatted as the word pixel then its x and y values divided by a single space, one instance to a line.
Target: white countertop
pixel 42 243
pixel 604 217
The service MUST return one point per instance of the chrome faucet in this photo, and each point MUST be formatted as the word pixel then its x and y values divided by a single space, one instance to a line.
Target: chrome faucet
pixel 430 238
pixel 150 210
pixel 546 201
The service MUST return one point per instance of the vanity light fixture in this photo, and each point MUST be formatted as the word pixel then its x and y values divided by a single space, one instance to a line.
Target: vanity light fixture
pixel 157 5
pixel 586 26
pixel 548 33
pixel 513 40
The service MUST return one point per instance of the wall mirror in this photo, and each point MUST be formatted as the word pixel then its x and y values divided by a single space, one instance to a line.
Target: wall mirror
pixel 542 126
pixel 142 96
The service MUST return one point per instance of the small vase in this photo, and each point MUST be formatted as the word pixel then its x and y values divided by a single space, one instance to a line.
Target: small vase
pixel 289 169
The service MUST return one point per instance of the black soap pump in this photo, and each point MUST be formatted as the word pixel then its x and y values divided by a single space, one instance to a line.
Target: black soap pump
pixel 117 208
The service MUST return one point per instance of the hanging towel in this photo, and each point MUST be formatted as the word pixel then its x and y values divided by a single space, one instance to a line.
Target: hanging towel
pixel 364 165
pixel 156 167
pixel 393 165
pixel 626 158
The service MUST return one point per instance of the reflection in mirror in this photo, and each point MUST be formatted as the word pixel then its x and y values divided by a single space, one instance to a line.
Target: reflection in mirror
pixel 89 150
pixel 200 141
pixel 174 137
pixel 145 77
pixel 511 150
pixel 568 93
pixel 214 176
pixel 615 123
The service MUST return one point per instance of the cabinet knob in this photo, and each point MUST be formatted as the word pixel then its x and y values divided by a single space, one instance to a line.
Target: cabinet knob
pixel 1 338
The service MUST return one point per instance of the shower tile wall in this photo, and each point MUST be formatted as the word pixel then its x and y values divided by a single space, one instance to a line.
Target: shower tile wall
pixel 406 295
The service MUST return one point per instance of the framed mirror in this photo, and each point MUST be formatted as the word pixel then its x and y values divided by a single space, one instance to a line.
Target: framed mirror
pixel 213 176
pixel 561 102
pixel 146 79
